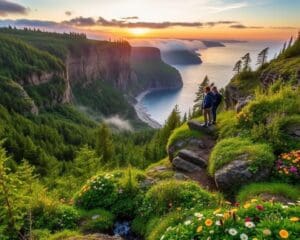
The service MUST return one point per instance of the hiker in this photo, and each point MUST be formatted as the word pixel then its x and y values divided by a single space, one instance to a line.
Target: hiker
pixel 207 107
pixel 217 99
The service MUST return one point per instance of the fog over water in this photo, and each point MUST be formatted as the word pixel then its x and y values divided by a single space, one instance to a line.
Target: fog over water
pixel 217 65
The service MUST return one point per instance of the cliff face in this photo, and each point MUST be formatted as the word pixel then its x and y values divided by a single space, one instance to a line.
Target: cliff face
pixel 151 71
pixel 109 62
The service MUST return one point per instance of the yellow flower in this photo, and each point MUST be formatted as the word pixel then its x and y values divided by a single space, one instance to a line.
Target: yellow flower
pixel 226 216
pixel 267 232
pixel 247 205
pixel 253 200
pixel 217 211
pixel 199 229
pixel 208 222
pixel 234 210
pixel 294 219
pixel 283 233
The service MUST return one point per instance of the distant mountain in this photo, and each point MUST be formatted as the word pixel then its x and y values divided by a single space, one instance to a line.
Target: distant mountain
pixel 181 57
pixel 210 44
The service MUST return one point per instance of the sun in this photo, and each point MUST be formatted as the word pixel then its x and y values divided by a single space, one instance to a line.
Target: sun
pixel 138 31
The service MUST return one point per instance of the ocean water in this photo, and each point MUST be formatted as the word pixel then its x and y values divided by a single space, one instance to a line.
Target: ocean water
pixel 217 65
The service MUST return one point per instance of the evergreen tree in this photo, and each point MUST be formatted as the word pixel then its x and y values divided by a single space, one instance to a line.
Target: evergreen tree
pixel 237 67
pixel 104 143
pixel 291 42
pixel 184 118
pixel 284 48
pixel 247 61
pixel 262 57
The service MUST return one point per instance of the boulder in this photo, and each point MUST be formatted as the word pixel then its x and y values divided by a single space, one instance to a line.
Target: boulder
pixel 197 126
pixel 183 165
pixel 294 131
pixel 238 173
pixel 242 102
pixel 192 157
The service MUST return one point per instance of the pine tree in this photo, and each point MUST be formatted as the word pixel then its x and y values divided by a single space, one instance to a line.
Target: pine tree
pixel 184 118
pixel 262 57
pixel 200 96
pixel 237 67
pixel 284 48
pixel 247 61
pixel 104 143
pixel 291 42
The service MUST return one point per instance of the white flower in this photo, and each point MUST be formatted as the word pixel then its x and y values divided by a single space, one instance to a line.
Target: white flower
pixel 284 206
pixel 249 224
pixel 211 231
pixel 243 236
pixel 198 215
pixel 218 223
pixel 219 215
pixel 188 222
pixel 233 232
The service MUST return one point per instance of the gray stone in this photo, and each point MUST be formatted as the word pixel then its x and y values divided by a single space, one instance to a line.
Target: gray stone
pixel 294 131
pixel 238 173
pixel 180 176
pixel 242 102
pixel 197 126
pixel 183 165
pixel 192 157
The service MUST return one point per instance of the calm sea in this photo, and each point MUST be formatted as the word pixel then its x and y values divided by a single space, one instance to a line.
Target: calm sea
pixel 217 65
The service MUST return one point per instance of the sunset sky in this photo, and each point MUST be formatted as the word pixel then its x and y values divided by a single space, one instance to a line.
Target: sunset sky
pixel 204 19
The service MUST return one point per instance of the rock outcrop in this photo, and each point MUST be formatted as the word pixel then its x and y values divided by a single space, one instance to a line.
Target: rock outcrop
pixel 238 173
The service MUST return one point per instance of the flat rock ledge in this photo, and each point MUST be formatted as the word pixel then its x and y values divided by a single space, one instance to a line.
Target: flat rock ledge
pixel 197 126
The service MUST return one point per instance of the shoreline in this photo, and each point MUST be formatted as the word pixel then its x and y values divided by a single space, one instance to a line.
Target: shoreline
pixel 142 113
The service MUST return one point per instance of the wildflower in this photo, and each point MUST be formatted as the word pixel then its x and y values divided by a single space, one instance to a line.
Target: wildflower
pixel 253 200
pixel 217 211
pixel 188 222
pixel 218 223
pixel 208 222
pixel 198 215
pixel 249 224
pixel 267 232
pixel 226 216
pixel 247 205
pixel 243 236
pixel 283 233
pixel 234 210
pixel 294 219
pixel 219 215
pixel 247 219
pixel 260 207
pixel 232 232
pixel 199 229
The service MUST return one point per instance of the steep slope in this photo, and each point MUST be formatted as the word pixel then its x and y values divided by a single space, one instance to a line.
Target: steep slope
pixel 282 70
pixel 151 71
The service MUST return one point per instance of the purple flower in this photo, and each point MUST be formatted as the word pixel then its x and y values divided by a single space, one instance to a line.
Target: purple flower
pixel 293 169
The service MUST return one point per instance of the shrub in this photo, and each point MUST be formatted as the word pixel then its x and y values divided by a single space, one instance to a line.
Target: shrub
pixel 288 167
pixel 55 218
pixel 167 196
pixel 278 189
pixel 251 221
pixel 118 192
pixel 97 220
pixel 230 149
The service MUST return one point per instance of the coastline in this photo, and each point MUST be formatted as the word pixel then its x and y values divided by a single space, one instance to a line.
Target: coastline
pixel 142 113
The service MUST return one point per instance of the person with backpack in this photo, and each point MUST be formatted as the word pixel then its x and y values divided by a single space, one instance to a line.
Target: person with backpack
pixel 207 105
pixel 217 99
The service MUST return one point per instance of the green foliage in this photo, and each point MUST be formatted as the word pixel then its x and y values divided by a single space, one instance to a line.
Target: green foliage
pixel 182 132
pixel 15 197
pixel 270 116
pixel 231 149
pixel 104 145
pixel 117 192
pixel 167 196
pixel 55 218
pixel 255 190
pixel 96 220
pixel 65 234
pixel 227 125
pixel 293 51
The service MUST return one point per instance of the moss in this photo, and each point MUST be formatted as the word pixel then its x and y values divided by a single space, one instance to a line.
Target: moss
pixel 157 227
pixel 96 220
pixel 278 189
pixel 230 149
pixel 227 125
pixel 183 132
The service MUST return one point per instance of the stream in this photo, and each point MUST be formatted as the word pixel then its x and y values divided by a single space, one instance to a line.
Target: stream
pixel 123 229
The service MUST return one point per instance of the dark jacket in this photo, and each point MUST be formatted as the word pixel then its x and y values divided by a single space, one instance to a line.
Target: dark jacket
pixel 208 100
pixel 217 99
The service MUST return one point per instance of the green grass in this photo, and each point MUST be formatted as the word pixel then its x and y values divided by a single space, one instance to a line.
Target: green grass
pixel 279 189
pixel 230 149
pixel 227 124
pixel 181 133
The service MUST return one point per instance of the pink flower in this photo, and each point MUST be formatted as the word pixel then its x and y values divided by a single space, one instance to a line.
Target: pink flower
pixel 247 219
pixel 293 169
pixel 260 207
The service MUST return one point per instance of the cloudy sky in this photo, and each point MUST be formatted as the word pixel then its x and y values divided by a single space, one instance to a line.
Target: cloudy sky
pixel 210 19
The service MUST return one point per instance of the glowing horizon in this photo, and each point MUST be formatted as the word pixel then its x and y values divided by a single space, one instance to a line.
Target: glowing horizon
pixel 191 19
